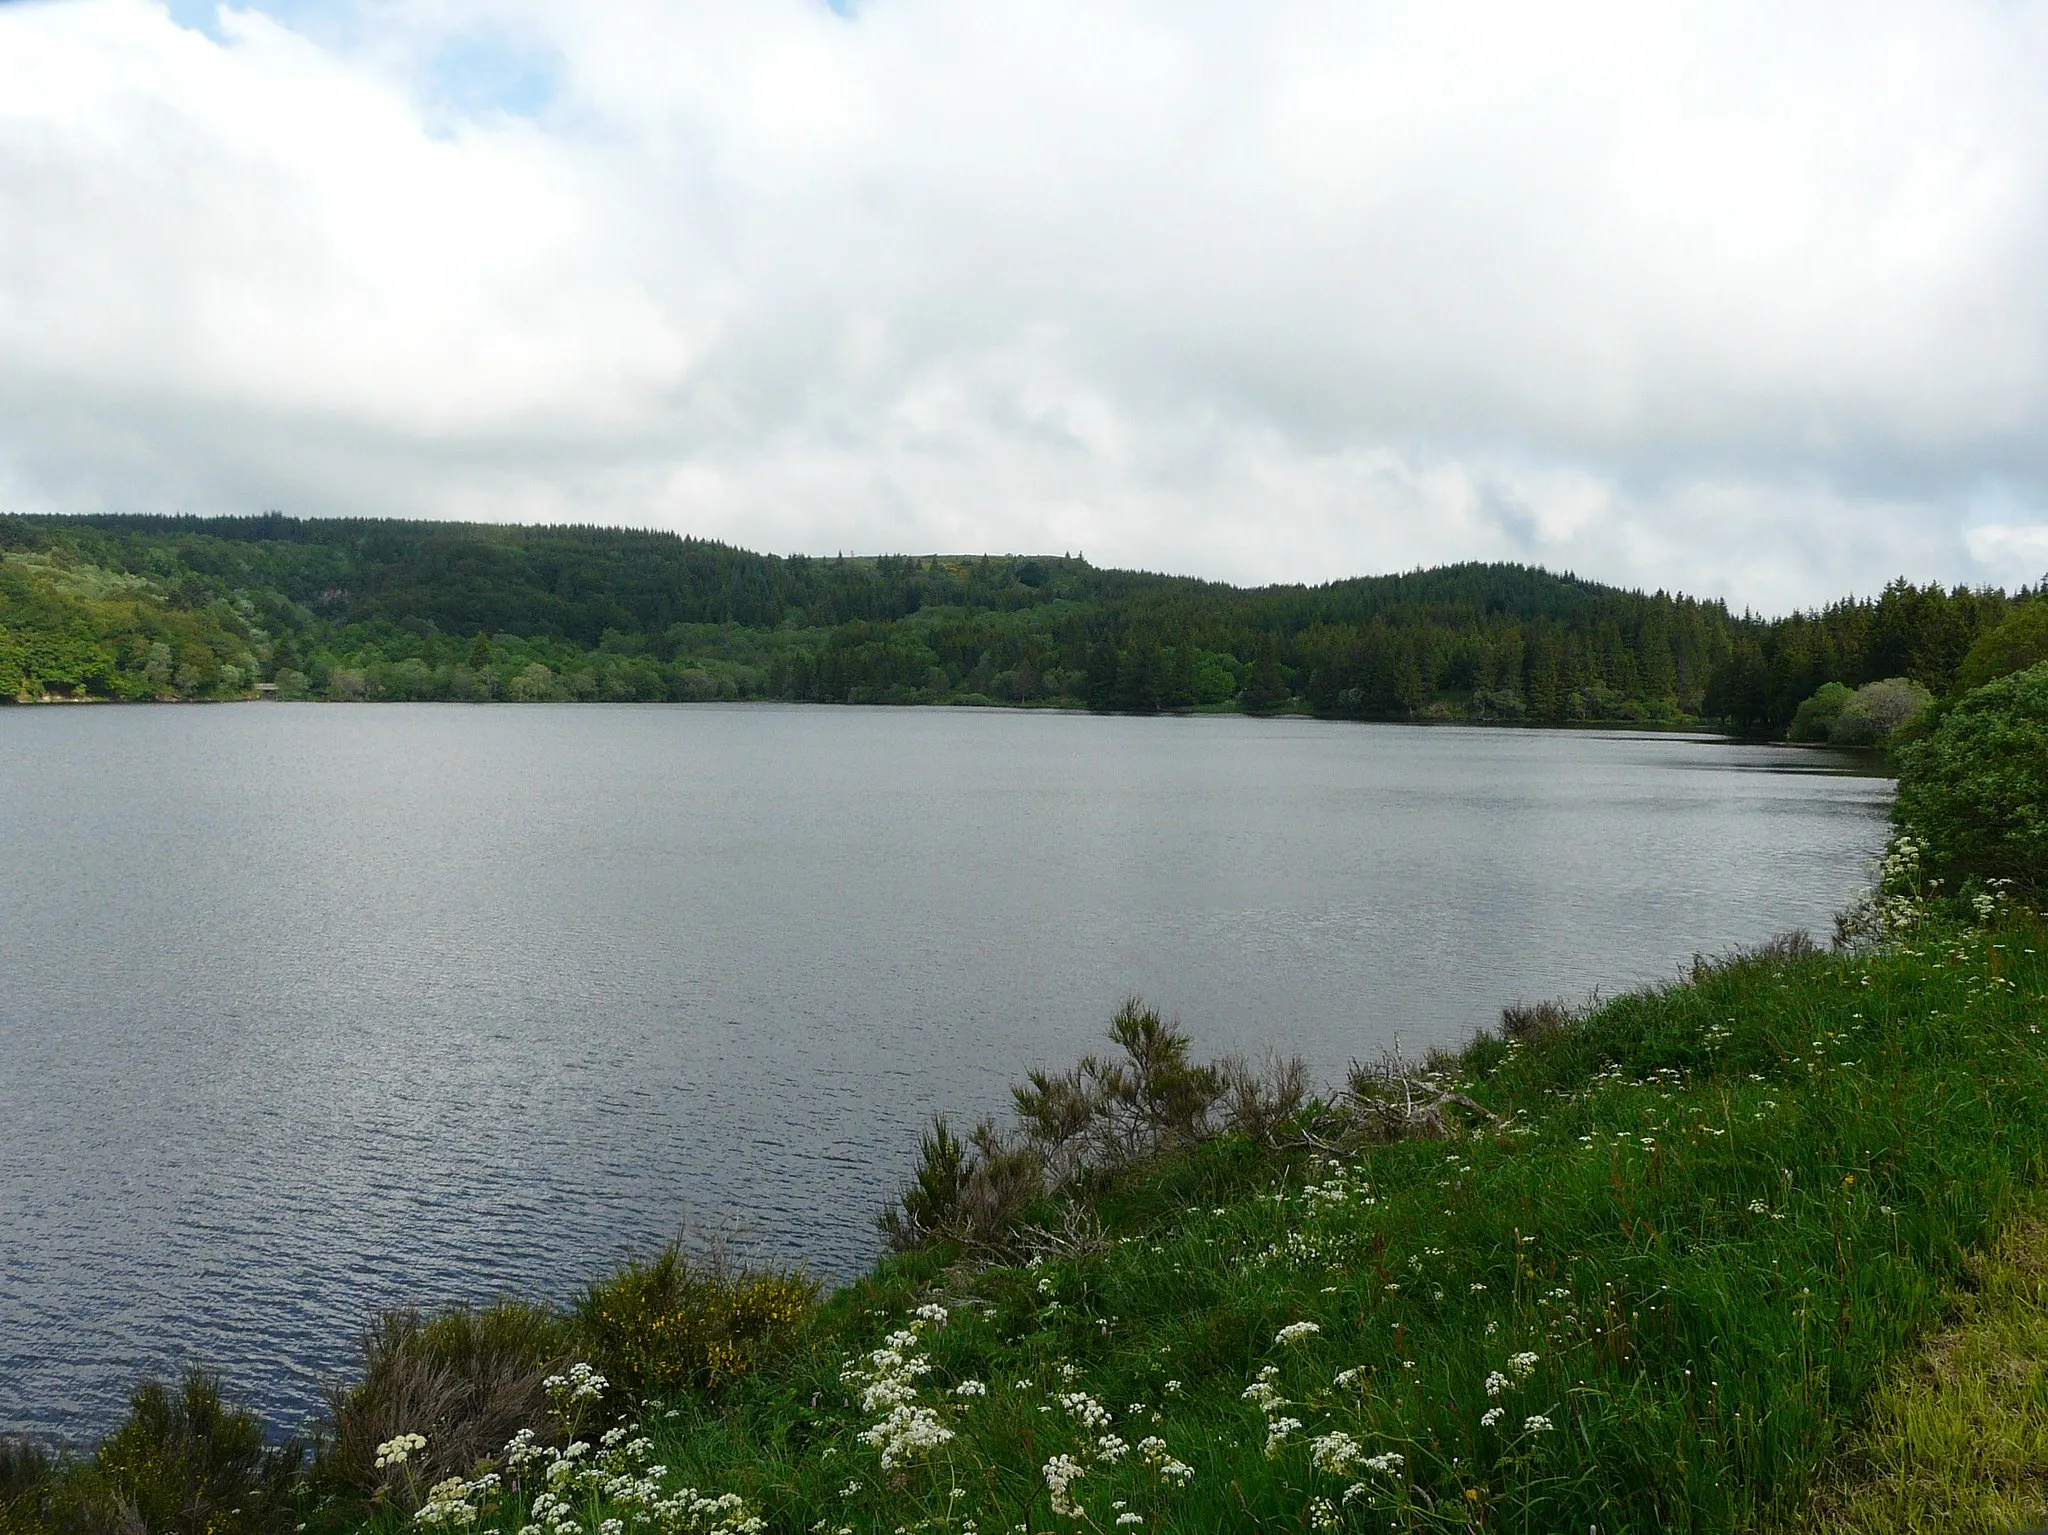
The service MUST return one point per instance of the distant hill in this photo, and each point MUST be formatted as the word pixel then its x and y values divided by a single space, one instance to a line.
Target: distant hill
pixel 189 608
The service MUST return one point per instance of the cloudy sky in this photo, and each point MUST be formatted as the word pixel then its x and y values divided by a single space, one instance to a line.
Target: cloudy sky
pixel 1742 299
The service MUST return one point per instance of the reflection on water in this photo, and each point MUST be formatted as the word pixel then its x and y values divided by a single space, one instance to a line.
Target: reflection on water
pixel 306 1010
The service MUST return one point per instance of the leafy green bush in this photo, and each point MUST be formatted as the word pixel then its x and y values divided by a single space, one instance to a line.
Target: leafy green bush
pixel 2018 643
pixel 1974 794
pixel 1814 719
pixel 183 1463
pixel 1876 710
pixel 674 1324
pixel 466 1380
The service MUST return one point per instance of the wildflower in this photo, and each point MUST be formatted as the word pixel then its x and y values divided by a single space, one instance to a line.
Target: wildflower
pixel 1522 1365
pixel 1061 1472
pixel 1492 1416
pixel 1537 1423
pixel 1335 1452
pixel 1177 1471
pixel 1130 1518
pixel 1277 1432
pixel 1345 1378
pixel 1294 1332
pixel 1109 1449
pixel 394 1452
pixel 932 1313
pixel 1171 1388
pixel 447 1504
pixel 1088 1412
pixel 1322 1514
pixel 906 1433
pixel 970 1388
pixel 1386 1463
pixel 1496 1383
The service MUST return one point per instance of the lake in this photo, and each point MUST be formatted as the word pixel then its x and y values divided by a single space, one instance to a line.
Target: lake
pixel 307 1010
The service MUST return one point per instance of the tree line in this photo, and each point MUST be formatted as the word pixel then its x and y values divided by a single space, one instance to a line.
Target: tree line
pixel 188 608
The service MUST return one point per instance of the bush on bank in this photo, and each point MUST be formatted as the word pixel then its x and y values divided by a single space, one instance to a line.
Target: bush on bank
pixel 1974 792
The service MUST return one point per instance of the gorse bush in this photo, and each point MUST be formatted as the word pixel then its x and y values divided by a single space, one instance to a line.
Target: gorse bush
pixel 183 1463
pixel 1077 1127
pixel 27 1476
pixel 677 1323
pixel 466 1379
pixel 1974 793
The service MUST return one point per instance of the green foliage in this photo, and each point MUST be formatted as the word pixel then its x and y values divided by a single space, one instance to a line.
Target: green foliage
pixel 1878 709
pixel 675 1324
pixel 28 1476
pixel 2019 642
pixel 1814 720
pixel 466 1379
pixel 183 1463
pixel 1974 792
pixel 352 610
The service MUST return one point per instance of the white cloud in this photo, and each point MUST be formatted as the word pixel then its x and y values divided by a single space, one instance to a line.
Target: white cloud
pixel 1731 298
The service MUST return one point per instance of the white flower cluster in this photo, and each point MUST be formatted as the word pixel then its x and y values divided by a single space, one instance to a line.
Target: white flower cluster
pixel 582 1385
pixel 1061 1472
pixel 1336 1452
pixel 455 1503
pixel 1278 1431
pixel 1262 1393
pixel 619 1473
pixel 1521 1366
pixel 886 1379
pixel 1295 1332
pixel 396 1451
pixel 1491 1418
pixel 909 1431
pixel 1160 1459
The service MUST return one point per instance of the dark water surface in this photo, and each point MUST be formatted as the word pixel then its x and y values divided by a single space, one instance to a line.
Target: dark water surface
pixel 307 1010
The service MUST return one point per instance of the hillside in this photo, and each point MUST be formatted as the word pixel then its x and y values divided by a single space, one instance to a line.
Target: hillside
pixel 181 608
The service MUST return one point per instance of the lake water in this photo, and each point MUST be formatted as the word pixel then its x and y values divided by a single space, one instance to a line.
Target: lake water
pixel 308 1010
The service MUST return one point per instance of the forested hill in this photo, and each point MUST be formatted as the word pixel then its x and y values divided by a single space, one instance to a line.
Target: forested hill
pixel 183 608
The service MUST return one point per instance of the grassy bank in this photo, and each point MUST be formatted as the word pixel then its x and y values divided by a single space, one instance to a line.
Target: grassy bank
pixel 1716 1215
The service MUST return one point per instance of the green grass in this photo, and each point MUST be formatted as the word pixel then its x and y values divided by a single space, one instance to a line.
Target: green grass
pixel 1957 1442
pixel 1723 1215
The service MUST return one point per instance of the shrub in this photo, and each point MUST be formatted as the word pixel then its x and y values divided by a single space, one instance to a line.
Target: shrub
pixel 677 1323
pixel 466 1380
pixel 183 1463
pixel 1974 793
pixel 972 1193
pixel 1815 719
pixel 2018 643
pixel 1876 710
pixel 27 1477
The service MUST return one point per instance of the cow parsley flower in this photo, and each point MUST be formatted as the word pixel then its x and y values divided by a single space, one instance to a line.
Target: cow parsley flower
pixel 1294 1332
pixel 1335 1452
pixel 395 1452
pixel 1061 1472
